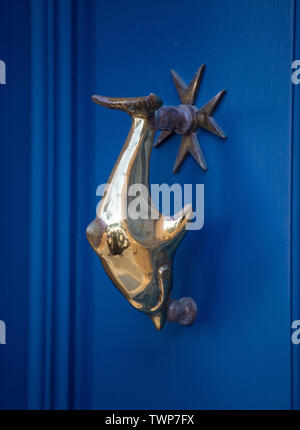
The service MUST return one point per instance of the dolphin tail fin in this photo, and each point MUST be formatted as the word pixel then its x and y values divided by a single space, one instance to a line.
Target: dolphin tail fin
pixel 134 106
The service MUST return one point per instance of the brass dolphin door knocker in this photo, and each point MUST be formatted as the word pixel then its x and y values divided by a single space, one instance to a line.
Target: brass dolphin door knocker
pixel 137 254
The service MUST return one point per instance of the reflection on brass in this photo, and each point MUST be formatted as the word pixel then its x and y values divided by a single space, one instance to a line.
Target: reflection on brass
pixel 197 118
pixel 137 253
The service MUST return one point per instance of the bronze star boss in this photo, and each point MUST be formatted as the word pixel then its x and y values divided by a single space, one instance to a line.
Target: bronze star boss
pixel 202 118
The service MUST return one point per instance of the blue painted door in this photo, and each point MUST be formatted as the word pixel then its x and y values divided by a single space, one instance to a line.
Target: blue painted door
pixel 72 339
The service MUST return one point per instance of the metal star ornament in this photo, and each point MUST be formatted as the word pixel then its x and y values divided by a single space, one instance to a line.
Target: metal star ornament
pixel 189 142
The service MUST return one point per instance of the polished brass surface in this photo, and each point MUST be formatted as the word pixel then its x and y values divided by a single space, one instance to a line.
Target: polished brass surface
pixel 136 253
pixel 201 118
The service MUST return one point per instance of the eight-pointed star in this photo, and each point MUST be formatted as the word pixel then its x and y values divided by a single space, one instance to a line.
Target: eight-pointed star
pixel 189 142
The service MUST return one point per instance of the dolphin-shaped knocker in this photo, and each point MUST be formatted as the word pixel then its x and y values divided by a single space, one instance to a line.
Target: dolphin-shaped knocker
pixel 137 254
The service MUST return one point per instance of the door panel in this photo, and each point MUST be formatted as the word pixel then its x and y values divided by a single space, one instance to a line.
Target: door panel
pixel 237 355
pixel 15 192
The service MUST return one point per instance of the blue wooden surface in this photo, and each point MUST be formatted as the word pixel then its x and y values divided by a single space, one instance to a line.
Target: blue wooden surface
pixel 73 341
pixel 14 185
pixel 295 135
pixel 238 266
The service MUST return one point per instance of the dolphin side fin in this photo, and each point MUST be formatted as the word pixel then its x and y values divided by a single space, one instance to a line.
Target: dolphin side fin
pixel 168 229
